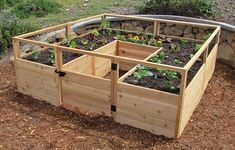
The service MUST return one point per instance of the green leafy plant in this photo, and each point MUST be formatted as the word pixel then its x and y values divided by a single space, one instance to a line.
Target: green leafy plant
pixel 73 44
pixel 197 47
pixel 173 47
pixel 109 31
pixel 37 8
pixel 35 54
pixel 105 24
pixel 142 71
pixel 159 44
pixel 158 58
pixel 51 58
pixel 84 42
pixel 95 33
pixel 65 41
pixel 92 46
pixel 177 61
pixel 153 42
pixel 205 37
pixel 183 42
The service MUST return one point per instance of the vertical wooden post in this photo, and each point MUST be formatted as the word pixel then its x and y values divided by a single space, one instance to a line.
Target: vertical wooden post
pixel 68 31
pixel 184 76
pixel 156 29
pixel 114 79
pixel 103 22
pixel 58 66
pixel 218 37
pixel 16 48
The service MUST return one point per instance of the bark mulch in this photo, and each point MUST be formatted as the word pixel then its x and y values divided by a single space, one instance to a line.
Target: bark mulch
pixel 26 123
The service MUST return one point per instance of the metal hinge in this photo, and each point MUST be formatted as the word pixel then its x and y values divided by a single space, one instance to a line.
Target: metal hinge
pixel 60 73
pixel 113 108
pixel 114 66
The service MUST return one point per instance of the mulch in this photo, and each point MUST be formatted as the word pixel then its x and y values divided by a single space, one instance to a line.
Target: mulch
pixel 26 123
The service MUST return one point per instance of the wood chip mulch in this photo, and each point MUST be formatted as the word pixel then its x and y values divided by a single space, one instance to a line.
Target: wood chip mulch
pixel 26 123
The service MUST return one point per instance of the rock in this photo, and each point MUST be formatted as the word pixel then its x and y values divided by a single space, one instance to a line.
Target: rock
pixel 166 30
pixel 195 30
pixel 135 23
pixel 170 24
pixel 138 29
pixel 51 39
pixel 73 35
pixel 199 36
pixel 149 29
pixel 129 26
pixel 233 46
pixel 201 30
pixel 189 35
pixel 80 31
pixel 180 26
pixel 116 25
pixel 188 30
pixel 225 51
pixel 223 36
pixel 60 36
pixel 36 47
pixel 162 26
pixel 229 38
pixel 178 32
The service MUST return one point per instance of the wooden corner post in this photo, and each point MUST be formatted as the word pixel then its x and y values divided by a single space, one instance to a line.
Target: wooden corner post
pixel 58 66
pixel 114 80
pixel 184 76
pixel 156 29
pixel 68 31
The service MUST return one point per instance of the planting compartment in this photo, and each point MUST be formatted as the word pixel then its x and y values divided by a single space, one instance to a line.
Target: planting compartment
pixel 95 80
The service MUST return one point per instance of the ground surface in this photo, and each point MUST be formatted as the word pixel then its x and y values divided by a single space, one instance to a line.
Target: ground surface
pixel 26 123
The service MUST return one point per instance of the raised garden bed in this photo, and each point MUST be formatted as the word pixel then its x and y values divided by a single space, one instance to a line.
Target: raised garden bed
pixel 149 81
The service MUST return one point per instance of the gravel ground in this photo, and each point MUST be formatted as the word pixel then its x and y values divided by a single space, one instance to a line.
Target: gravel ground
pixel 26 123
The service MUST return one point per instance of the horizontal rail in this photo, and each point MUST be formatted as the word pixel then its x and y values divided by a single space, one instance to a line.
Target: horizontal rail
pixel 98 54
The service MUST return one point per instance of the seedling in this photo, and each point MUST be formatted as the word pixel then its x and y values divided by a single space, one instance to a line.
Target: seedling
pixel 197 47
pixel 177 61
pixel 142 71
pixel 109 31
pixel 173 47
pixel 95 33
pixel 73 44
pixel 92 46
pixel 159 44
pixel 183 42
pixel 35 54
pixel 158 58
pixel 152 42
pixel 51 58
pixel 205 37
pixel 64 41
pixel 84 42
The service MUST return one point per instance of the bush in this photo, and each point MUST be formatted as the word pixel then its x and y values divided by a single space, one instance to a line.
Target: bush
pixel 37 8
pixel 181 7
pixel 8 3
pixel 11 26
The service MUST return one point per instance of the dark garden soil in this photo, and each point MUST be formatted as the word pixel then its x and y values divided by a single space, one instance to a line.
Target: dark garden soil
pixel 47 57
pixel 26 123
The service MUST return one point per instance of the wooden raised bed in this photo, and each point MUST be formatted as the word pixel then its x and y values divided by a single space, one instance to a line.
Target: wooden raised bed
pixel 83 82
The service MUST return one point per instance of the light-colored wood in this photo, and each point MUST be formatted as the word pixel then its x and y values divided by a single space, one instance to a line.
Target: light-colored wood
pixel 148 109
pixel 38 81
pixel 183 83
pixel 58 66
pixel 114 79
pixel 210 65
pixel 68 31
pixel 156 30
pixel 193 94
pixel 87 91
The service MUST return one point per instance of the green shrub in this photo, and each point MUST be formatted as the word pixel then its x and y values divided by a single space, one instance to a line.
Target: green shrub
pixel 181 7
pixel 8 3
pixel 37 8
pixel 11 26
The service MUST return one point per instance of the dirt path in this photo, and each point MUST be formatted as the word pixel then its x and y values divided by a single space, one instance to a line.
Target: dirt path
pixel 26 123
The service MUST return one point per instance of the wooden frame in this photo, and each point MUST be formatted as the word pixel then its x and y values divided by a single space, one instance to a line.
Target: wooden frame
pixel 82 82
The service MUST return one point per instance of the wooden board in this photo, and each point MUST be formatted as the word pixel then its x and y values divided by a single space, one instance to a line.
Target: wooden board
pixel 210 65
pixel 192 97
pixel 37 80
pixel 148 109
pixel 86 92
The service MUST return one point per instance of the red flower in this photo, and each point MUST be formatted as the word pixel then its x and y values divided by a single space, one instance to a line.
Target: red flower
pixel 129 35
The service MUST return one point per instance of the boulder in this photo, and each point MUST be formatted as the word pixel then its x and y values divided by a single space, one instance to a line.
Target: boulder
pixel 189 35
pixel 116 25
pixel 51 39
pixel 199 36
pixel 229 38
pixel 131 27
pixel 188 30
pixel 178 32
pixel 80 31
pixel 225 51
pixel 60 36
pixel 166 30
pixel 233 46
pixel 195 30
pixel 149 29
pixel 170 24
pixel 180 26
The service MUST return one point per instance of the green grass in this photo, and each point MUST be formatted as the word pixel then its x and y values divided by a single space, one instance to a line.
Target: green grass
pixel 75 9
